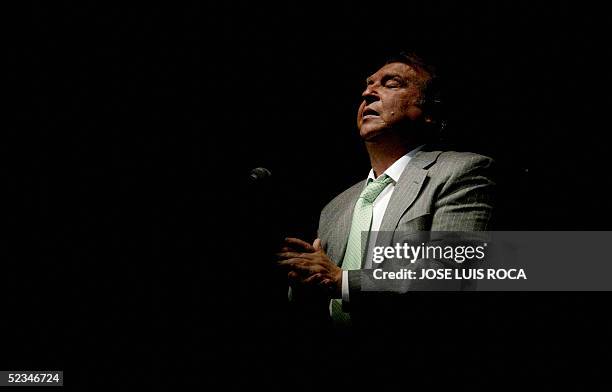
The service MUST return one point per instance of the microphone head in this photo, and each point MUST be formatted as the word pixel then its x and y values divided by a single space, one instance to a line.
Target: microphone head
pixel 258 174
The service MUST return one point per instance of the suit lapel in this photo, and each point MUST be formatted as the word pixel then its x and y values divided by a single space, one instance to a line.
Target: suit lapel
pixel 407 188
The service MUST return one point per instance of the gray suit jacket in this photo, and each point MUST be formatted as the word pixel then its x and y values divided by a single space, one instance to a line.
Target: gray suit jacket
pixel 438 191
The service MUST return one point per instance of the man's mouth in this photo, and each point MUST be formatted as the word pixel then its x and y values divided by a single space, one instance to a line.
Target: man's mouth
pixel 369 113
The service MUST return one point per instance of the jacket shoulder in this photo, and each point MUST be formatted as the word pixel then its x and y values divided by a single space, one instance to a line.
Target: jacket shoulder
pixel 453 163
pixel 461 158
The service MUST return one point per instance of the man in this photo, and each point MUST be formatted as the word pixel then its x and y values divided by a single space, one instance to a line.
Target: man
pixel 411 188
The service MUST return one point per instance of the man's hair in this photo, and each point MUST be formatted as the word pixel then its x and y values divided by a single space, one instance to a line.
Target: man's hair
pixel 432 94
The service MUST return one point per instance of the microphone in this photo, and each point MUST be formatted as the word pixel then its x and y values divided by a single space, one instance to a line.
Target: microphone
pixel 258 175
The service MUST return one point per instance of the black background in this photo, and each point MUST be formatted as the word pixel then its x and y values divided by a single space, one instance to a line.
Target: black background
pixel 134 246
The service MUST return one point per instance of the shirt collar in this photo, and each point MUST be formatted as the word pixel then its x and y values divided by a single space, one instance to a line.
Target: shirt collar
pixel 397 168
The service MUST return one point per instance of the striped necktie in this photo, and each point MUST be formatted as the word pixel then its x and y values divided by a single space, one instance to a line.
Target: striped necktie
pixel 355 247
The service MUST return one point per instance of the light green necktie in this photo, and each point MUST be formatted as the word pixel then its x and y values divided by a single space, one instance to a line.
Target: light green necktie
pixel 355 248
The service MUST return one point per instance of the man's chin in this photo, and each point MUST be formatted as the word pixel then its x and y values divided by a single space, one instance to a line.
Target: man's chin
pixel 372 135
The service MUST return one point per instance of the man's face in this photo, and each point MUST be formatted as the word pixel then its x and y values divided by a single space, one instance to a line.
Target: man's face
pixel 390 100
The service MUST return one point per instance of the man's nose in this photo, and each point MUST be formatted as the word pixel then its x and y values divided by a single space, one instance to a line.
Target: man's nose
pixel 370 94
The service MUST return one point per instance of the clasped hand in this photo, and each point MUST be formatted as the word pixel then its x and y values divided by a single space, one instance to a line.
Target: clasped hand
pixel 309 266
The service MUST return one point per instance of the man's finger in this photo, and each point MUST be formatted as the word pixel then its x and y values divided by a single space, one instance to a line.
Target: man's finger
pixel 293 255
pixel 293 263
pixel 300 265
pixel 299 244
pixel 312 278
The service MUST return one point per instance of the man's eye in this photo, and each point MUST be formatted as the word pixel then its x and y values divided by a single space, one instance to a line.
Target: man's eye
pixel 392 83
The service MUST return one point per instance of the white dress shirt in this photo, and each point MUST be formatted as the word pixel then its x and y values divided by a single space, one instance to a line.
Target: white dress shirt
pixel 378 211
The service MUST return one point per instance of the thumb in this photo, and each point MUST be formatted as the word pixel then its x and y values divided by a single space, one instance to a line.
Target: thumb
pixel 317 244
